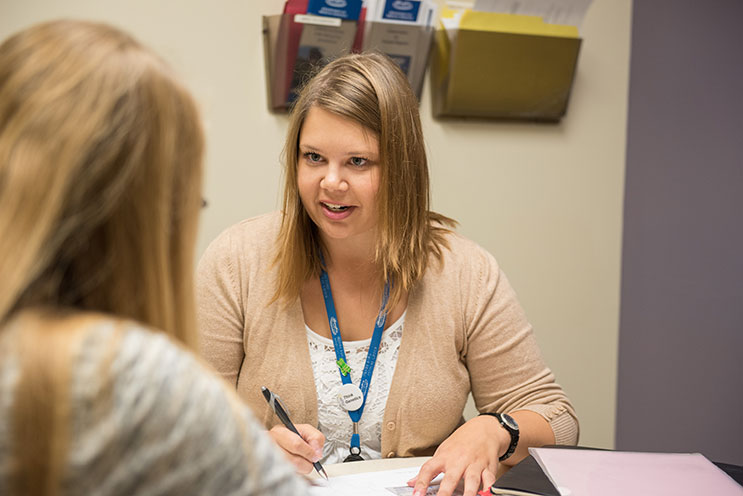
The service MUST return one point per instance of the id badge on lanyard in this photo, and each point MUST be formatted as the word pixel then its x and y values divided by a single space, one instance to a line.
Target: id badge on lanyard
pixel 352 398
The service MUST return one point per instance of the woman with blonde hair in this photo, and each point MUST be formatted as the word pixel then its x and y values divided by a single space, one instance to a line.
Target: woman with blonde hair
pixel 100 176
pixel 365 310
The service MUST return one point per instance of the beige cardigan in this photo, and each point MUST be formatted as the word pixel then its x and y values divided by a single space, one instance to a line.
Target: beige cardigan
pixel 464 331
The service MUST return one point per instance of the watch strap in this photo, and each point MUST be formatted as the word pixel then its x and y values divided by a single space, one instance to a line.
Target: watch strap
pixel 513 432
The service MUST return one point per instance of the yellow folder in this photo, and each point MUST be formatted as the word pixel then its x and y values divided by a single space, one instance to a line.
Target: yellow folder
pixel 504 66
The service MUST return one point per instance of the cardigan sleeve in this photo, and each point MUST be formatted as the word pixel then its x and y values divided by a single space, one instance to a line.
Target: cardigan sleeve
pixel 219 308
pixel 506 369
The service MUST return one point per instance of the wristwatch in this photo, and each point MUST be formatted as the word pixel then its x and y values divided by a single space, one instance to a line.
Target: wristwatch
pixel 512 427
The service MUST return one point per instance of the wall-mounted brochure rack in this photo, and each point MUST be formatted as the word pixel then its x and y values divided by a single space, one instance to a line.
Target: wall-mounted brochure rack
pixel 296 45
pixel 294 50
pixel 408 45
pixel 503 66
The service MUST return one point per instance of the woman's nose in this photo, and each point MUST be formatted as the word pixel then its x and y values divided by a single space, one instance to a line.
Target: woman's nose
pixel 333 179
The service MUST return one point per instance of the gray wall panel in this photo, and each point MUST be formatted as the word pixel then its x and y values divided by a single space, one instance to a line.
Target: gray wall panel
pixel 681 326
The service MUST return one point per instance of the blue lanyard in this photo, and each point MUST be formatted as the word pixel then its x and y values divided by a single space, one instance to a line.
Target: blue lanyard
pixel 340 353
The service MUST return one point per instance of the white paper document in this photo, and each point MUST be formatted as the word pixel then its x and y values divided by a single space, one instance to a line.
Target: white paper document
pixel 383 483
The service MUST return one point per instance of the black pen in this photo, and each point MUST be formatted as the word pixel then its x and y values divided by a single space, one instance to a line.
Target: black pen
pixel 278 408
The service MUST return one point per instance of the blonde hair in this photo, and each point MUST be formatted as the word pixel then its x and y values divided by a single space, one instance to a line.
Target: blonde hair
pixel 371 90
pixel 100 179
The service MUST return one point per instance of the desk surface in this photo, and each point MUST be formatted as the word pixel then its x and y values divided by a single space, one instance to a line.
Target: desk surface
pixel 340 469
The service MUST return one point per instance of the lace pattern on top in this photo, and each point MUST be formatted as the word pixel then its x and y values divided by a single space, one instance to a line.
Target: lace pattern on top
pixel 333 421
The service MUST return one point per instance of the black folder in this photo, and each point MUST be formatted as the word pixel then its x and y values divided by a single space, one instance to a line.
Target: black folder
pixel 526 478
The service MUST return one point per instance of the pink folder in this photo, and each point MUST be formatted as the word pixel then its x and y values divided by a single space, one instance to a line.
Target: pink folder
pixel 622 473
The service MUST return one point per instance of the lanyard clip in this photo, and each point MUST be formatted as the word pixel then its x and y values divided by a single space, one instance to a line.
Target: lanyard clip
pixel 345 368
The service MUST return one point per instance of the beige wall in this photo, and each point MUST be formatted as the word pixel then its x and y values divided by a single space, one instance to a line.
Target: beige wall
pixel 545 199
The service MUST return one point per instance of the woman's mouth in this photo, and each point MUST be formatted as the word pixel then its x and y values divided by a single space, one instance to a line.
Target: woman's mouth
pixel 334 207
pixel 336 211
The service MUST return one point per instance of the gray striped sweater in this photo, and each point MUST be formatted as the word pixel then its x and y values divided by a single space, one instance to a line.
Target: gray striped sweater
pixel 168 429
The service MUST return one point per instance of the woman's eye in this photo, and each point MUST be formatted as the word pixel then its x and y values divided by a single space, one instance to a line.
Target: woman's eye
pixel 313 157
pixel 358 161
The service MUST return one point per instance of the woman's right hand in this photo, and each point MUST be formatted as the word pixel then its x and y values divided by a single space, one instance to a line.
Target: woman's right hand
pixel 301 451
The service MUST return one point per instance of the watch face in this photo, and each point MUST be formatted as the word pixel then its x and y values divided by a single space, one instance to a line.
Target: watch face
pixel 510 422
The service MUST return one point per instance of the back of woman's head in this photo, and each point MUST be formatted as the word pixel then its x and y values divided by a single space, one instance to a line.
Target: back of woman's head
pixel 100 176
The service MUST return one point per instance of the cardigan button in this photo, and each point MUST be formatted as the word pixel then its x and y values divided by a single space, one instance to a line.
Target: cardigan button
pixel 391 454
pixel 390 426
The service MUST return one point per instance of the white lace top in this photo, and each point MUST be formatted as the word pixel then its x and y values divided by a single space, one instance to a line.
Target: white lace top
pixel 333 421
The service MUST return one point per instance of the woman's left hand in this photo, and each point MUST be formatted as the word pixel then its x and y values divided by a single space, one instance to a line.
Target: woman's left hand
pixel 470 453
